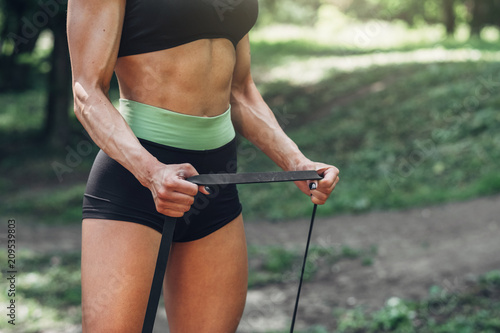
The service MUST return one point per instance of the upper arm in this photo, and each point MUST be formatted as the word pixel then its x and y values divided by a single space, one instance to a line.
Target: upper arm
pixel 241 75
pixel 94 32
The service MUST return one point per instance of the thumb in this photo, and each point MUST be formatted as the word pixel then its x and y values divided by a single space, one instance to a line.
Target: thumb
pixel 186 170
pixel 189 171
pixel 313 184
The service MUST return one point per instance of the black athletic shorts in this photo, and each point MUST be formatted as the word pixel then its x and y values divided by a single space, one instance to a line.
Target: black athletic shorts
pixel 113 193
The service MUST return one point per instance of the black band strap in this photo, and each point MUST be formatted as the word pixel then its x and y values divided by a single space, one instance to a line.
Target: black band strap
pixel 303 268
pixel 253 177
pixel 161 266
pixel 169 226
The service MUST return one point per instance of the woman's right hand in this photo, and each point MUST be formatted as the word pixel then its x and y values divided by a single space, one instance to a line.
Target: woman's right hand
pixel 172 193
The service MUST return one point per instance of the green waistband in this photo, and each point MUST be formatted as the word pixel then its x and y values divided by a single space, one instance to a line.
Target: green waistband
pixel 176 129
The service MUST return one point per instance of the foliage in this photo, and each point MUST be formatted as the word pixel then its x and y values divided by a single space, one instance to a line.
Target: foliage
pixel 472 309
pixel 412 12
pixel 476 13
pixel 32 185
pixel 273 264
pixel 48 292
pixel 402 135
pixel 49 286
pixel 475 309
pixel 23 63
pixel 313 329
pixel 422 136
pixel 303 12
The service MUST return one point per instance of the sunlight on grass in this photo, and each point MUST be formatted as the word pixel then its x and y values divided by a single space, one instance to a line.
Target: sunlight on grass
pixel 31 316
pixel 490 34
pixel 309 71
pixel 371 124
pixel 335 28
pixel 47 292
pixel 363 107
pixel 339 43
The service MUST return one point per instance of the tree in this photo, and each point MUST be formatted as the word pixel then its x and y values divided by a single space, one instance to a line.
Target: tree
pixel 484 13
pixel 21 26
pixel 480 13
pixel 16 38
pixel 56 128
pixel 449 16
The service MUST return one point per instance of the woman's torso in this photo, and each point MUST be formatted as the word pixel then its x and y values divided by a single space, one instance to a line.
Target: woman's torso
pixel 178 61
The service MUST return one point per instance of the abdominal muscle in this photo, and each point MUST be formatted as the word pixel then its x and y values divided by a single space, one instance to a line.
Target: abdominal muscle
pixel 193 78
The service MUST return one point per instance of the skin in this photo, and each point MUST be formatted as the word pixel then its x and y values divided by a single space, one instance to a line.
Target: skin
pixel 206 279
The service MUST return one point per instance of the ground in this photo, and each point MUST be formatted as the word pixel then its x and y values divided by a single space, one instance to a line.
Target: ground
pixel 446 245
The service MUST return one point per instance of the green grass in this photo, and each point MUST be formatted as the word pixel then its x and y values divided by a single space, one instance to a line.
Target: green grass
pixel 48 292
pixel 429 133
pixel 34 186
pixel 473 309
pixel 273 264
pixel 48 295
pixel 476 309
pixel 402 135
pixel 51 206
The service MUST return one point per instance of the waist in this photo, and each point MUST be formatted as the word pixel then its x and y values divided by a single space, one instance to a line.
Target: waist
pixel 176 129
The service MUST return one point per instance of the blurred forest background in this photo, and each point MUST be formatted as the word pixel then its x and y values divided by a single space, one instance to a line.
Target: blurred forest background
pixel 403 96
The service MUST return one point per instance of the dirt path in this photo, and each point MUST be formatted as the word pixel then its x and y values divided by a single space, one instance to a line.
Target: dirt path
pixel 441 245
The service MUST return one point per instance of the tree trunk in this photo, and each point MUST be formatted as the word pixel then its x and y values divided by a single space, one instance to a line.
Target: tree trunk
pixel 449 16
pixel 59 87
pixel 478 18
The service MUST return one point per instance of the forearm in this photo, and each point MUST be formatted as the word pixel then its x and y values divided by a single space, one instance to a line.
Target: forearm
pixel 111 132
pixel 254 120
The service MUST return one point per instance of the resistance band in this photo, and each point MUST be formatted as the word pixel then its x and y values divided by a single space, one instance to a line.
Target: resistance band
pixel 211 180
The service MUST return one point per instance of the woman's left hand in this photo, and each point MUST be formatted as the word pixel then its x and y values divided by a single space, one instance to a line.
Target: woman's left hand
pixel 319 190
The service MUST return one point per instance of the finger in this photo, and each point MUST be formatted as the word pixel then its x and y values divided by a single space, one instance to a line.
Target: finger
pixel 327 188
pixel 324 186
pixel 171 213
pixel 174 197
pixel 185 187
pixel 328 173
pixel 173 185
pixel 320 195
pixel 172 209
pixel 205 190
pixel 313 184
pixel 319 198
pixel 336 181
pixel 186 170
pixel 317 202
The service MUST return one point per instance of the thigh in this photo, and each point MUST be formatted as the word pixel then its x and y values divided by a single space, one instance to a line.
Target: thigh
pixel 206 282
pixel 118 261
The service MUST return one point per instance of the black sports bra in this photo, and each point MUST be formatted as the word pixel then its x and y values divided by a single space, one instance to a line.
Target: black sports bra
pixel 153 25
